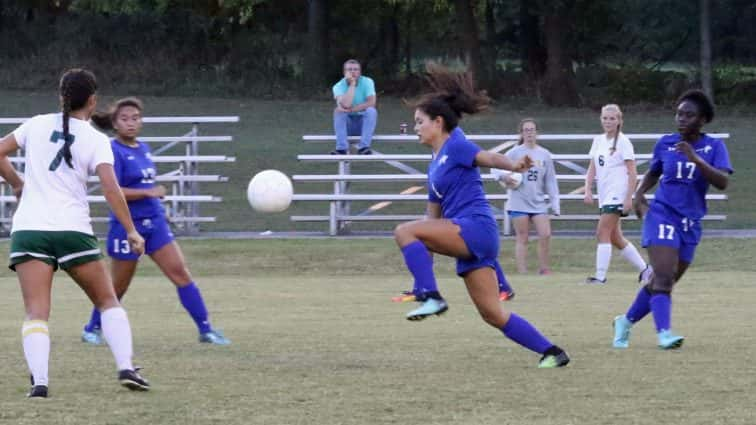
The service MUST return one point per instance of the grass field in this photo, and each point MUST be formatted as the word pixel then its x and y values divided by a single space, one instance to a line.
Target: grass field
pixel 269 136
pixel 316 341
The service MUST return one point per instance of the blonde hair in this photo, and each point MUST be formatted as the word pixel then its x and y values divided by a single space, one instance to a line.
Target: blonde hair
pixel 612 107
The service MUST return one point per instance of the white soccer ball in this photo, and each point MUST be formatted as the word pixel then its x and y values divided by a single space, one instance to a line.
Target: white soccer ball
pixel 502 176
pixel 270 191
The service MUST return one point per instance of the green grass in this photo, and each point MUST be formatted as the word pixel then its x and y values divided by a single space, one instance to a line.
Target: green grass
pixel 269 136
pixel 316 341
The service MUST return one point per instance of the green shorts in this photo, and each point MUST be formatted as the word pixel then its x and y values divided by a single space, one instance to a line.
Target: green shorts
pixel 63 249
pixel 612 209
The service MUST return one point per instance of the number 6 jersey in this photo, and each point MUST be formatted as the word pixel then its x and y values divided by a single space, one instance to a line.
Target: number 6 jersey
pixel 611 170
pixel 55 195
pixel 682 187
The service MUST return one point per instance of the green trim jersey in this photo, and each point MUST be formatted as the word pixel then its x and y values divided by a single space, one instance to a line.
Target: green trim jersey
pixel 55 195
pixel 611 170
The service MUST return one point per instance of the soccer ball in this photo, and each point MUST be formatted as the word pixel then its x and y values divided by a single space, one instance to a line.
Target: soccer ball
pixel 270 191
pixel 501 175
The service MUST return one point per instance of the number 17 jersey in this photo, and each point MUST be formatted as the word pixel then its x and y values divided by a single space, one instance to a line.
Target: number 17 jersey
pixel 682 186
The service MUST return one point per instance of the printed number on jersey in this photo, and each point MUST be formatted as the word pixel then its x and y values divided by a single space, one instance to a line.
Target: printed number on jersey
pixel 686 170
pixel 54 137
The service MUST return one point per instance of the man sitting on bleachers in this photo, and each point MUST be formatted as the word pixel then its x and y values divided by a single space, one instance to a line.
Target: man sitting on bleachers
pixel 355 113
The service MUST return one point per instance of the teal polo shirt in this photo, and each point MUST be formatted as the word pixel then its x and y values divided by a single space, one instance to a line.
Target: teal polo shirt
pixel 365 88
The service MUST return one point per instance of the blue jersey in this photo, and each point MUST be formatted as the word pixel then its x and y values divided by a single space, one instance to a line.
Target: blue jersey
pixel 682 187
pixel 454 180
pixel 134 169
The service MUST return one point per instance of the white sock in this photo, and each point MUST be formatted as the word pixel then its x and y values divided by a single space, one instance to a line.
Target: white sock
pixel 632 255
pixel 603 258
pixel 117 332
pixel 36 338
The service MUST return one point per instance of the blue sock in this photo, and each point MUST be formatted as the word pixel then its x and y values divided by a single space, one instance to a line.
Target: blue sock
pixel 420 264
pixel 191 299
pixel 640 307
pixel 503 283
pixel 661 306
pixel 94 321
pixel 522 332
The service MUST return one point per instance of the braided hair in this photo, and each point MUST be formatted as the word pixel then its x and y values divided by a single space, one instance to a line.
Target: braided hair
pixel 76 86
pixel 705 105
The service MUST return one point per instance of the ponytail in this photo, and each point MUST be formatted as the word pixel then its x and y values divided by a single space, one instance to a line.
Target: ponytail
pixel 76 87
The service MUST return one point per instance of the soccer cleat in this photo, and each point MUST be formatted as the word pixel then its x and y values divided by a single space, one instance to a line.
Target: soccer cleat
pixel 621 331
pixel 644 277
pixel 506 296
pixel 430 307
pixel 557 358
pixel 590 280
pixel 669 341
pixel 405 297
pixel 93 338
pixel 37 391
pixel 132 380
pixel 214 337
pixel 545 272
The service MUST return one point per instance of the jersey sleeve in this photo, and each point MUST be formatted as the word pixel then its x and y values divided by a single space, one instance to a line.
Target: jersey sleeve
pixel 721 159
pixel 625 147
pixel 463 152
pixel 656 166
pixel 552 187
pixel 103 153
pixel 594 146
pixel 432 197
pixel 21 133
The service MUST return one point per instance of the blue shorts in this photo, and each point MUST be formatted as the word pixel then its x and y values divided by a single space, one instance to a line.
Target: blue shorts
pixel 516 214
pixel 481 235
pixel 667 228
pixel 155 231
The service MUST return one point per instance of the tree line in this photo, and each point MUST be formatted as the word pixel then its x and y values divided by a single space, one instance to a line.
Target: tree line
pixel 560 52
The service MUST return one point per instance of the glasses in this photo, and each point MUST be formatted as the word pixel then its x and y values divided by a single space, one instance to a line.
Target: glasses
pixel 529 130
pixel 351 69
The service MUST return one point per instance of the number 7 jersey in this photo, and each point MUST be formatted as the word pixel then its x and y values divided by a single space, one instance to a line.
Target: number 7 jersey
pixel 682 186
pixel 55 195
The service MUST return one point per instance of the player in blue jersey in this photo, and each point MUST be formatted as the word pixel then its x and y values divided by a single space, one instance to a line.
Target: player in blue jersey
pixel 136 175
pixel 684 164
pixel 459 221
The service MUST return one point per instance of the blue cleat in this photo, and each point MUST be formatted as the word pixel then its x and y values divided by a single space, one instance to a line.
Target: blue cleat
pixel 621 331
pixel 93 338
pixel 669 341
pixel 214 337
pixel 430 307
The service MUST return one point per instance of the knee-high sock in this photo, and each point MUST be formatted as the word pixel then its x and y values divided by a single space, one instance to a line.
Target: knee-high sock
pixel 603 258
pixel 522 332
pixel 117 332
pixel 503 283
pixel 631 254
pixel 661 306
pixel 191 299
pixel 94 321
pixel 640 307
pixel 36 341
pixel 420 264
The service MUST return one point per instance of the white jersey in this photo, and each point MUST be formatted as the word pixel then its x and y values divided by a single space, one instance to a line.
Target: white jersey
pixel 611 170
pixel 55 195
